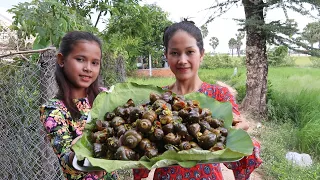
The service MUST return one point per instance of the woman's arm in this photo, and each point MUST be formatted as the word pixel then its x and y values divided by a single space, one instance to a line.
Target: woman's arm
pixel 243 168
pixel 223 94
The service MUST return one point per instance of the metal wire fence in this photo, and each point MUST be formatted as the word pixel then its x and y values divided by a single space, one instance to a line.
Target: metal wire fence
pixel 25 154
pixel 24 150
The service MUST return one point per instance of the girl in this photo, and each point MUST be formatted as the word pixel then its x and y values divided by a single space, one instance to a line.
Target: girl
pixel 64 117
pixel 184 51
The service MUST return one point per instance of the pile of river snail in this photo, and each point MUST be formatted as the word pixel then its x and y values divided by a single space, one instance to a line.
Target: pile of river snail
pixel 167 122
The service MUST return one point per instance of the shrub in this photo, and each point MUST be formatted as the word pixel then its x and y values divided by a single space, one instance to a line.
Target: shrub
pixel 220 61
pixel 280 57
pixel 315 61
pixel 301 109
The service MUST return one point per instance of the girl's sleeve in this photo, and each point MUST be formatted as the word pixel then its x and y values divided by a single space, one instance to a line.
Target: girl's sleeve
pixel 57 127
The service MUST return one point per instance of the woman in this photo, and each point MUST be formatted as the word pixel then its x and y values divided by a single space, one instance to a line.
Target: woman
pixel 184 51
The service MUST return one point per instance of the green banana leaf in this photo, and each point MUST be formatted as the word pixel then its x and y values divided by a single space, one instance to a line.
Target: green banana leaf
pixel 238 144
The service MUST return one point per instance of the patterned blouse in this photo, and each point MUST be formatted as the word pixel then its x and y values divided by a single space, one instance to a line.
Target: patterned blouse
pixel 62 129
pixel 241 169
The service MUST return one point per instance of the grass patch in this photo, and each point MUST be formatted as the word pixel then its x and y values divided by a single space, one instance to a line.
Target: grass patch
pixel 277 139
pixel 302 60
pixel 294 80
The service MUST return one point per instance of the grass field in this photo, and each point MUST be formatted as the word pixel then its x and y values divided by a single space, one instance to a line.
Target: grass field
pixel 302 60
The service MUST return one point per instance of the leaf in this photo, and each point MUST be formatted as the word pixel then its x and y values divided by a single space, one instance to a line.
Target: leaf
pixel 238 145
pixel 107 102
pixel 220 110
pixel 238 140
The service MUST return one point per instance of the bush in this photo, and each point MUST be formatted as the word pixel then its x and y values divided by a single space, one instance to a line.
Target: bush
pixel 315 61
pixel 220 61
pixel 280 57
pixel 301 109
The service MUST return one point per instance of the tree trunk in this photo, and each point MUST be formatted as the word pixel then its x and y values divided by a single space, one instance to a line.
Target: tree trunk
pixel 238 51
pixel 232 52
pixel 256 61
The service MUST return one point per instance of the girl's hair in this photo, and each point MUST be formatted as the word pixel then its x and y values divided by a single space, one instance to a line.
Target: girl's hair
pixel 187 26
pixel 64 93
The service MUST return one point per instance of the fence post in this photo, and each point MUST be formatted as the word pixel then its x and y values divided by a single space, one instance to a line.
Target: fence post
pixel 120 69
pixel 48 88
pixel 48 85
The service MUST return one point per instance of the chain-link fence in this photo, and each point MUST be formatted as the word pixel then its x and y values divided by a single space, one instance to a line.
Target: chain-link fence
pixel 24 150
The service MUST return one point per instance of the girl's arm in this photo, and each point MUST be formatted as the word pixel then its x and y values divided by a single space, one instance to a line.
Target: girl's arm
pixel 56 123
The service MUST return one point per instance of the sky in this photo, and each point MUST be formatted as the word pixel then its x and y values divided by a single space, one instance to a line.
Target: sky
pixel 223 27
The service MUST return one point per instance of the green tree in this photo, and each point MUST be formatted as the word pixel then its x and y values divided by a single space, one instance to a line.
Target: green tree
pixel 214 42
pixel 239 39
pixel 311 33
pixel 258 33
pixel 232 45
pixel 103 7
pixel 204 30
pixel 138 32
pixel 47 21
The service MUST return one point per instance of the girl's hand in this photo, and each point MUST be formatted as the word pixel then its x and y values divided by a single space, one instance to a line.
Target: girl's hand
pixel 75 140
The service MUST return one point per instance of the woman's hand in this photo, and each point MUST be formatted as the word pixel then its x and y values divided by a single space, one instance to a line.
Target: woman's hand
pixel 240 123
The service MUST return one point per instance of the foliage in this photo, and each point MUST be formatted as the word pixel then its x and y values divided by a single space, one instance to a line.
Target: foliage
pixel 232 44
pixel 300 109
pixel 205 32
pixel 259 32
pixel 103 7
pixel 315 61
pixel 214 42
pixel 220 61
pixel 279 57
pixel 311 33
pixel 46 21
pixel 277 32
pixel 138 32
pixel 239 39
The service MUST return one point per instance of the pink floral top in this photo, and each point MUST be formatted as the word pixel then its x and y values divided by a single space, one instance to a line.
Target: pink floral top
pixel 61 129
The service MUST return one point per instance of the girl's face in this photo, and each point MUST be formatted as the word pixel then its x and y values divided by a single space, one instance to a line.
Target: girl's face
pixel 184 56
pixel 82 65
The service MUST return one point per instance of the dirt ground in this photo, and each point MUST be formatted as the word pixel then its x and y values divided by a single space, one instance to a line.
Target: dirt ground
pixel 156 72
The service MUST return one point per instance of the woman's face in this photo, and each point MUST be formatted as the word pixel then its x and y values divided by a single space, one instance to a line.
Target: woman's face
pixel 82 65
pixel 184 56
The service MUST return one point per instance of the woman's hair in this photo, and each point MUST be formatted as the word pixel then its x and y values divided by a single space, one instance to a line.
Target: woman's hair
pixel 187 26
pixel 64 93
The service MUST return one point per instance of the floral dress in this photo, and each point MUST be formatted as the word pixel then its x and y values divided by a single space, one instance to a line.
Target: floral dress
pixel 62 129
pixel 241 169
